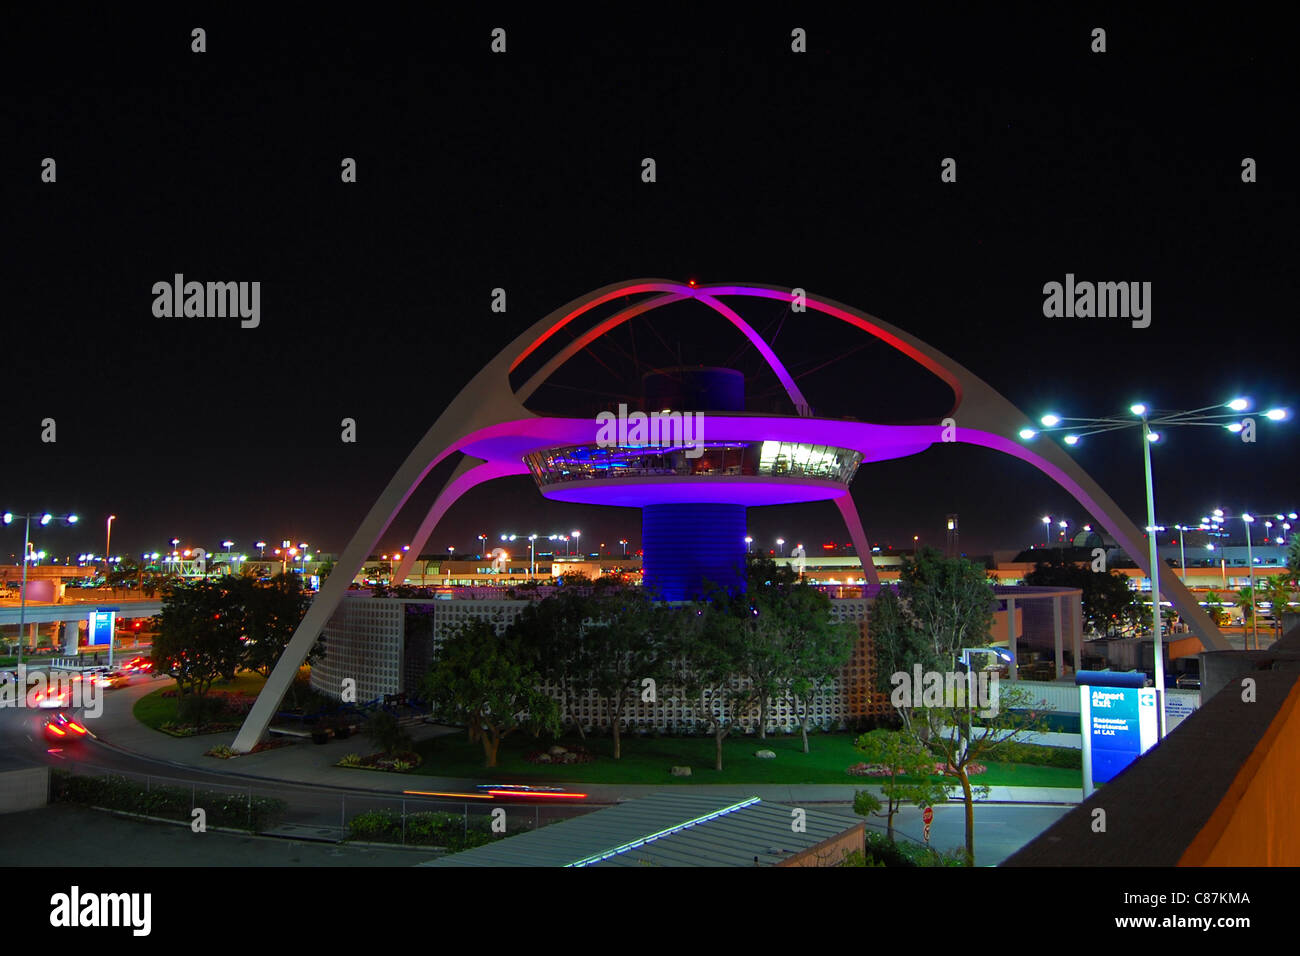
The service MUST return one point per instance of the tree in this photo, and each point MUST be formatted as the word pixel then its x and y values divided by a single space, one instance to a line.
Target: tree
pixel 1214 605
pixel 943 606
pixel 962 737
pixel 552 634
pixel 483 679
pixel 627 644
pixel 1277 591
pixel 386 733
pixel 1108 601
pixel 760 616
pixel 1246 597
pixel 197 640
pixel 817 650
pixel 272 613
pixel 710 646
pixel 909 765
pixel 123 576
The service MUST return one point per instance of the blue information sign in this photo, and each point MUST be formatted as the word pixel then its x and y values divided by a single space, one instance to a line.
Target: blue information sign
pixel 1118 722
pixel 100 630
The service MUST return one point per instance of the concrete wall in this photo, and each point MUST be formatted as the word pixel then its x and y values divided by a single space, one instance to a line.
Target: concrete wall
pixel 831 852
pixel 24 789
pixel 1255 822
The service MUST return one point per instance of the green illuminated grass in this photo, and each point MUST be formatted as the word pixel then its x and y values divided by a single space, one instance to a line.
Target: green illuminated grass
pixel 153 710
pixel 648 760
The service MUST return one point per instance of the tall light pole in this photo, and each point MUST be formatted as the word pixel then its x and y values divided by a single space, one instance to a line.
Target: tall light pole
pixel 482 539
pixel 1211 415
pixel 749 541
pixel 108 538
pixel 1047 531
pixel 577 542
pixel 1249 519
pixel 623 542
pixel 780 547
pixel 532 557
pixel 44 518
pixel 1182 555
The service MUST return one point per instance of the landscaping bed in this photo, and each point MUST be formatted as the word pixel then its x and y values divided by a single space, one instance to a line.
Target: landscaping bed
pixel 449 831
pixel 223 752
pixel 224 809
pixel 402 762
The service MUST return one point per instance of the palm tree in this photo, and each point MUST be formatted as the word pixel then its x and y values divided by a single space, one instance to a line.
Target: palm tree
pixel 1277 591
pixel 1247 600
pixel 1214 606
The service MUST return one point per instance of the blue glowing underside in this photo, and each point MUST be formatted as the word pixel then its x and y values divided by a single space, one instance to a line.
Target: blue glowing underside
pixel 690 549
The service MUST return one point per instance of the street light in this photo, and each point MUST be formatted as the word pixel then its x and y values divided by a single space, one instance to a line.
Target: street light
pixel 1182 556
pixel 748 542
pixel 44 518
pixel 1250 561
pixel 780 546
pixel 1145 417
pixel 1047 531
pixel 108 537
pixel 577 544
pixel 623 542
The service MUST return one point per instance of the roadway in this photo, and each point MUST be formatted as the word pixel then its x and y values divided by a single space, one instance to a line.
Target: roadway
pixel 319 802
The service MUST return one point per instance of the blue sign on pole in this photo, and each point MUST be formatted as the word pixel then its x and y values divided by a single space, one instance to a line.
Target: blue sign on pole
pixel 1118 722
pixel 100 630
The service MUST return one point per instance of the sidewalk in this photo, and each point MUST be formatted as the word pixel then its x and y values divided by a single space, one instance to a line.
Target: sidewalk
pixel 303 762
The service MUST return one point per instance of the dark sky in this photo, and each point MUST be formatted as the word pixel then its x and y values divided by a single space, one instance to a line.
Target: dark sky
pixel 522 171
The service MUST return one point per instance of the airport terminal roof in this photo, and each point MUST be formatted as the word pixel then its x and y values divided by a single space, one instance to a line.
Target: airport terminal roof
pixel 667 829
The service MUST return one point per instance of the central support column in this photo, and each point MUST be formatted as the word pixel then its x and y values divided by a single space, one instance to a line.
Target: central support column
pixel 692 549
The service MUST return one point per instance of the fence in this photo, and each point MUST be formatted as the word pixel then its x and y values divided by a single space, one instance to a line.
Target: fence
pixel 306 812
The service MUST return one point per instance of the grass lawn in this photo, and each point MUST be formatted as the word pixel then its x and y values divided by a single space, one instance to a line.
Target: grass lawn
pixel 154 710
pixel 647 760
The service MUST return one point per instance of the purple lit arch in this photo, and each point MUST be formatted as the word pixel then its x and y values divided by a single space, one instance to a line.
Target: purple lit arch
pixel 488 423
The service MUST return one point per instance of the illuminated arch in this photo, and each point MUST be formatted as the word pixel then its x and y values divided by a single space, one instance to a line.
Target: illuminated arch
pixel 488 415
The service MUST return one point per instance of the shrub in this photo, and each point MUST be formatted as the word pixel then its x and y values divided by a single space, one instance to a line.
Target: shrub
pixel 1039 755
pixel 882 852
pixel 226 809
pixel 350 760
pixel 378 825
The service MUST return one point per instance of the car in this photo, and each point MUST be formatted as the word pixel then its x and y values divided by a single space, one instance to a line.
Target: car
pixel 61 728
pixel 141 665
pixel 52 699
pixel 526 791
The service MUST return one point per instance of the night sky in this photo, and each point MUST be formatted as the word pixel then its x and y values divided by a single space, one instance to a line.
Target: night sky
pixel 522 171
